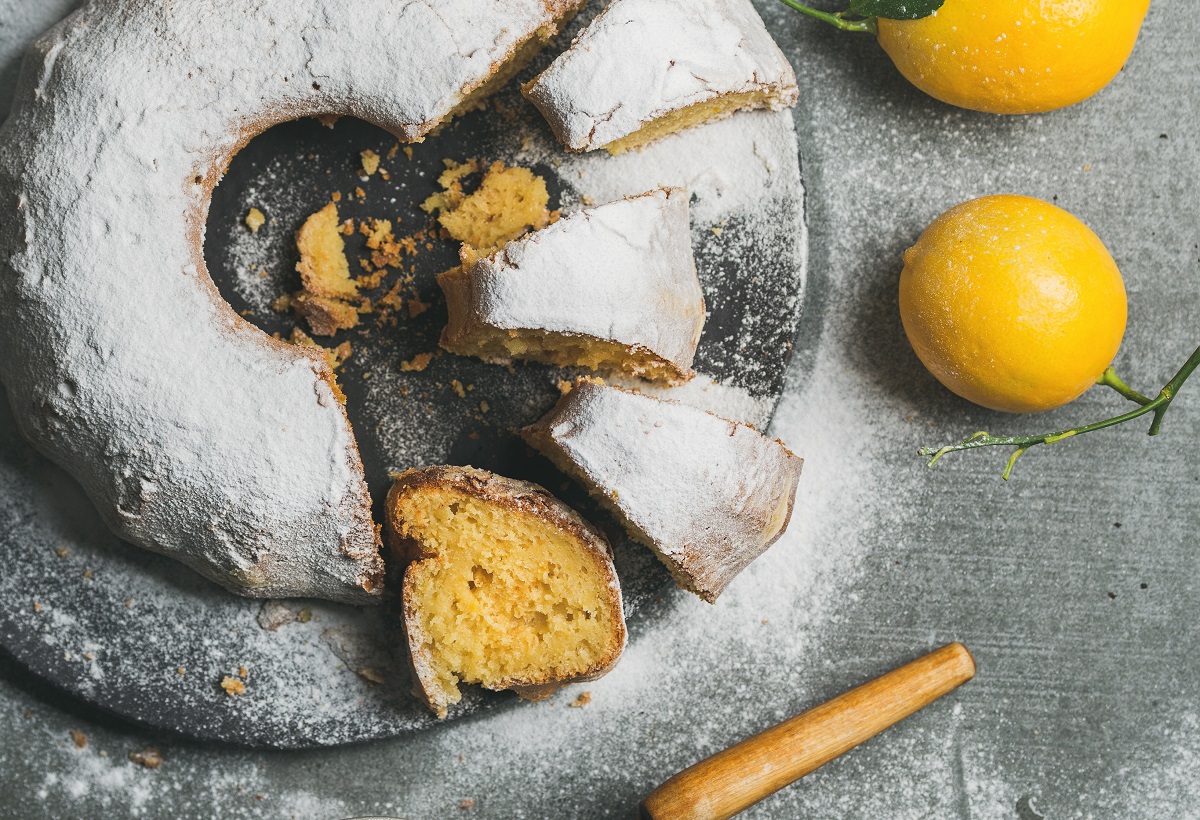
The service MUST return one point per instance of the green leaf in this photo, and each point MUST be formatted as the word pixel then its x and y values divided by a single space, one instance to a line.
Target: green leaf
pixel 895 9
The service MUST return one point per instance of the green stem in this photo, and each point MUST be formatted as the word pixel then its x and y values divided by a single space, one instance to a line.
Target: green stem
pixel 1109 378
pixel 867 25
pixel 1158 406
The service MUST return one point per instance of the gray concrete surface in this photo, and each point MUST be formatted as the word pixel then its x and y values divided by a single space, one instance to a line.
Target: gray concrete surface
pixel 1074 584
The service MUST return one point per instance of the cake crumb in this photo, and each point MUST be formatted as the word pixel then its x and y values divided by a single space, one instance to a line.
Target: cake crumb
pixel 336 356
pixel 325 316
pixel 63 552
pixel 377 232
pixel 255 220
pixel 391 154
pixel 149 758
pixel 305 615
pixel 450 181
pixel 583 700
pixel 466 803
pixel 128 603
pixel 37 607
pixel 416 307
pixel 457 387
pixel 325 274
pixel 179 670
pixel 233 686
pixel 370 162
pixel 417 363
pixel 78 738
pixel 408 151
pixel 508 202
pixel 484 407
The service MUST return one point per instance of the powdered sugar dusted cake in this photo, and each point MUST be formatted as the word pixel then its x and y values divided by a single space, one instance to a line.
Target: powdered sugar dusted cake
pixel 708 495
pixel 195 434
pixel 612 288
pixel 647 68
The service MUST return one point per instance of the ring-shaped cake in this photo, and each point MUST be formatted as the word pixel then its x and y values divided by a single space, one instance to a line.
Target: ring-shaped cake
pixel 145 619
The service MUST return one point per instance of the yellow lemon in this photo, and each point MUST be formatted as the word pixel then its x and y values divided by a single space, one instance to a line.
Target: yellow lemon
pixel 1015 56
pixel 1012 303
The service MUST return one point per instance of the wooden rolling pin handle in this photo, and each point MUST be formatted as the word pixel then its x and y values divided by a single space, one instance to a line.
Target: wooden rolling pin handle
pixel 737 778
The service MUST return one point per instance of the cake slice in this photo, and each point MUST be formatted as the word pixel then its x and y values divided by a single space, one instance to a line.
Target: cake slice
pixel 612 288
pixel 505 586
pixel 644 69
pixel 708 495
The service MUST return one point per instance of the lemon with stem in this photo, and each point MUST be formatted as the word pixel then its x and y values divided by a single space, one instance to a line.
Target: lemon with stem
pixel 1016 305
pixel 1012 303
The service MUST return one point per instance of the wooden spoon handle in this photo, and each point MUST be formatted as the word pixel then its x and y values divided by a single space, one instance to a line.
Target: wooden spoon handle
pixel 740 776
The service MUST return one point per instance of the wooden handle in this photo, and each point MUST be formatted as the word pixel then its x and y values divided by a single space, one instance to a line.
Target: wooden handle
pixel 737 778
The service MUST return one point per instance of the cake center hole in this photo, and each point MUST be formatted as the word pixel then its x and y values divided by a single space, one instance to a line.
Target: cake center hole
pixel 410 404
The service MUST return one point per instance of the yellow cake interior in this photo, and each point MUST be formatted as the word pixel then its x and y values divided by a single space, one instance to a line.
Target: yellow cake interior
pixel 564 350
pixel 688 116
pixel 323 267
pixel 325 275
pixel 508 598
pixel 507 203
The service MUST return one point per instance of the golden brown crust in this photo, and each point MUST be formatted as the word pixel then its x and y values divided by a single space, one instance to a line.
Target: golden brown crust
pixel 521 497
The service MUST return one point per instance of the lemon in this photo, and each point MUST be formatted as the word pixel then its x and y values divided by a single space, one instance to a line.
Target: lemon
pixel 1012 303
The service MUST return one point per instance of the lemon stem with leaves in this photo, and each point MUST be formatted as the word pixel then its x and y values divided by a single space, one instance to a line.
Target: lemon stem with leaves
pixel 1157 406
pixel 863 14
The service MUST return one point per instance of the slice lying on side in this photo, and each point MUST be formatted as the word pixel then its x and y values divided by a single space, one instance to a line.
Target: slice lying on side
pixel 644 69
pixel 325 300
pixel 708 495
pixel 505 586
pixel 612 288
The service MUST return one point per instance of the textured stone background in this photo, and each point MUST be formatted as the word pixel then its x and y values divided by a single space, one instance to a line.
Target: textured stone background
pixel 1074 584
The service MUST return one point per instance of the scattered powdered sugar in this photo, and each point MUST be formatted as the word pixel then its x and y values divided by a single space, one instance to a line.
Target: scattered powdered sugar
pixel 257 258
